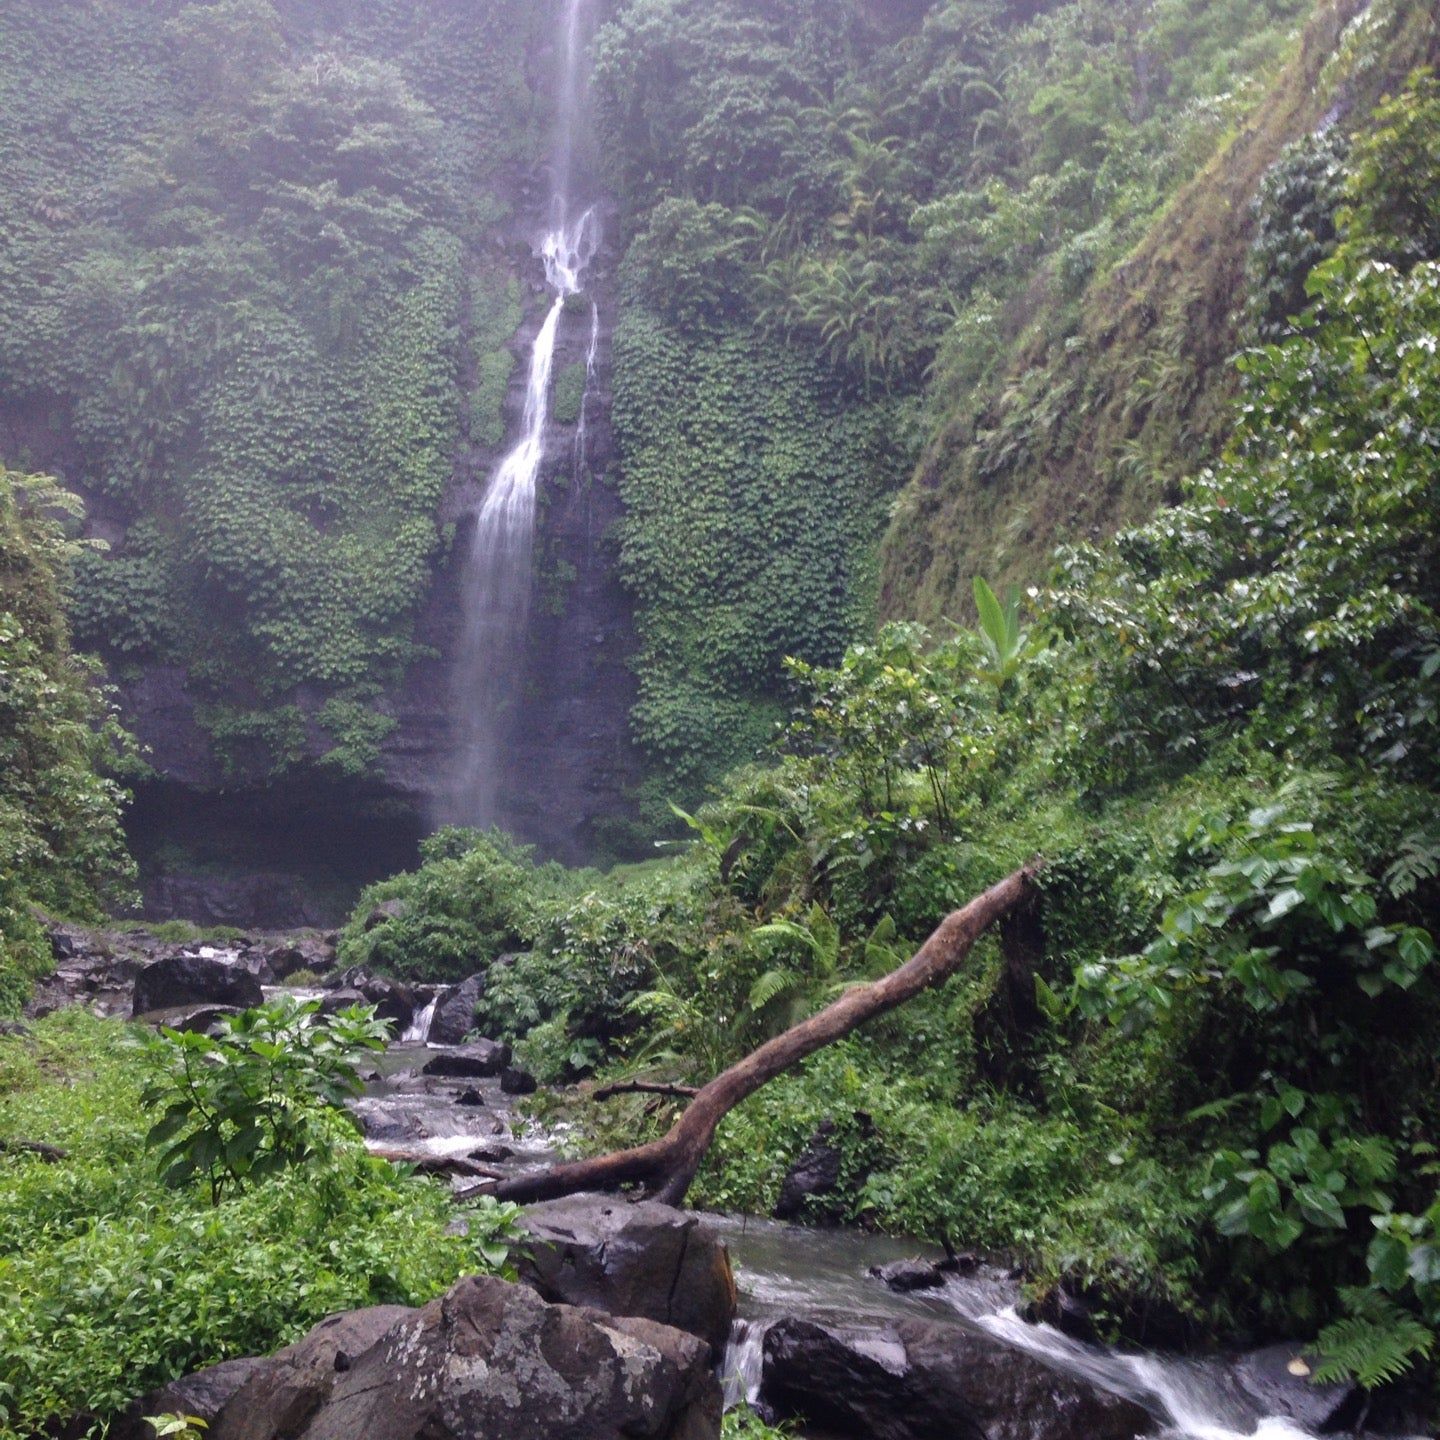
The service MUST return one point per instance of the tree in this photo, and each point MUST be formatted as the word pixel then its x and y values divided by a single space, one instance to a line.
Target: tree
pixel 665 1167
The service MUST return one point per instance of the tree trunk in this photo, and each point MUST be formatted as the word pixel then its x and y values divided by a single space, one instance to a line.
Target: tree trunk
pixel 665 1167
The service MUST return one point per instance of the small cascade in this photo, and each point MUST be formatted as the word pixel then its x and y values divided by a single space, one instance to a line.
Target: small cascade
pixel 743 1361
pixel 418 1032
pixel 498 569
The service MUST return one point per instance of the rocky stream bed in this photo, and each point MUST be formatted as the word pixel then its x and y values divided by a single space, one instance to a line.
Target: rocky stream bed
pixel 638 1320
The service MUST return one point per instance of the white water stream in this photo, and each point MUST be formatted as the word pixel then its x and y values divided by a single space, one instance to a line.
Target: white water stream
pixel 823 1275
pixel 498 569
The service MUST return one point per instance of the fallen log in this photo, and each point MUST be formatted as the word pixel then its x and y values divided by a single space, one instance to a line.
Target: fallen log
pixel 665 1168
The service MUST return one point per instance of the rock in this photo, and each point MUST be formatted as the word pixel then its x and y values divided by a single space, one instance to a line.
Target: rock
pixel 193 1019
pixel 487 1361
pixel 642 1259
pixel 197 980
pixel 1277 1379
pixel 383 913
pixel 1067 1312
pixel 518 1082
pixel 282 1394
pixel 904 1276
pixel 203 1394
pixel 392 1001
pixel 918 1380
pixel 14 1030
pixel 471 1097
pixel 298 952
pixel 480 1060
pixel 813 1176
pixel 454 1016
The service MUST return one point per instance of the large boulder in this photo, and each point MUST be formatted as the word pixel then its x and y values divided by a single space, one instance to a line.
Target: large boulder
pixel 480 1060
pixel 810 1186
pixel 454 1016
pixel 642 1259
pixel 1279 1381
pixel 918 1380
pixel 203 1395
pixel 287 954
pixel 194 980
pixel 487 1361
pixel 284 1393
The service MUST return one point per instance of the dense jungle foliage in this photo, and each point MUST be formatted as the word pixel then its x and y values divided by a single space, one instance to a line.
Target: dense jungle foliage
pixel 864 233
pixel 903 287
pixel 1202 1090
pixel 61 845
pixel 117 1280
pixel 239 249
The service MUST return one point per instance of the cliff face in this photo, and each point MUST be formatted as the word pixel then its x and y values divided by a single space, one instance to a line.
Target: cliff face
pixel 566 760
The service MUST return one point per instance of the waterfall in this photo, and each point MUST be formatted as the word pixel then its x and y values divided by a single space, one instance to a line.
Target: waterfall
pixel 498 569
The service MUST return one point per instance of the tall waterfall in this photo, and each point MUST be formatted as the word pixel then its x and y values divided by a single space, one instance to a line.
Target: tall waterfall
pixel 498 570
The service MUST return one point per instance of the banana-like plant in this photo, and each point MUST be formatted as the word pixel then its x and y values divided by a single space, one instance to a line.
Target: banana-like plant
pixel 1005 642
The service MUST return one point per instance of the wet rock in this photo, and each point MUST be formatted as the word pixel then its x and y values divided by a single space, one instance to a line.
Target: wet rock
pixel 193 1019
pixel 1067 1312
pixel 194 979
pixel 471 1097
pixel 812 1178
pixel 487 1360
pixel 514 1081
pixel 203 1395
pixel 392 1001
pixel 298 952
pixel 1278 1380
pixel 904 1276
pixel 642 1259
pixel 283 1393
pixel 916 1380
pixel 454 1016
pixel 480 1060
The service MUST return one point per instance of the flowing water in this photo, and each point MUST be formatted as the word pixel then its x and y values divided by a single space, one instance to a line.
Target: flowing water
pixel 498 568
pixel 823 1275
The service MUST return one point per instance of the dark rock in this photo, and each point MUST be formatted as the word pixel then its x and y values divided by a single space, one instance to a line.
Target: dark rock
pixel 1278 1379
pixel 203 1395
pixel 813 1176
pixel 480 1060
pixel 1069 1313
pixel 907 1275
pixel 284 1392
pixel 383 913
pixel 454 1016
pixel 917 1380
pixel 493 1154
pixel 14 1030
pixel 485 1361
pixel 193 979
pixel 518 1082
pixel 641 1259
pixel 193 1019
pixel 471 1097
pixel 392 1001
pixel 300 952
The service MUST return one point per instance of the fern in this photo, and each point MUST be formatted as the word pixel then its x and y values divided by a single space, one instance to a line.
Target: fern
pixel 1375 1344
pixel 1418 860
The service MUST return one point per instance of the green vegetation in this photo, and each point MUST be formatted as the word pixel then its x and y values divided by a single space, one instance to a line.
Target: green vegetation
pixel 235 282
pixel 116 1283
pixel 60 835
pixel 1203 1088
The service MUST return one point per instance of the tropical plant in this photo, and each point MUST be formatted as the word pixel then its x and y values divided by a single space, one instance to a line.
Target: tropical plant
pixel 260 1095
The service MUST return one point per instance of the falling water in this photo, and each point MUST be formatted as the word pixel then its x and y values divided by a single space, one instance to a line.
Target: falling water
pixel 498 569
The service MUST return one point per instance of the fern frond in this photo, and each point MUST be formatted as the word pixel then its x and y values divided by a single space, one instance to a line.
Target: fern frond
pixel 1375 1344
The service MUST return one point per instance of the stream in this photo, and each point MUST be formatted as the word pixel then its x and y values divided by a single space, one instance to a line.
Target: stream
pixel 823 1275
